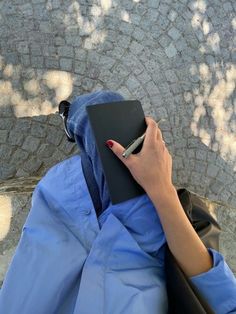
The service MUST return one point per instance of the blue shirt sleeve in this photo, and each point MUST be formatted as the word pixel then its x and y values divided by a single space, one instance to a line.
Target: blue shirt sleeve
pixel 218 285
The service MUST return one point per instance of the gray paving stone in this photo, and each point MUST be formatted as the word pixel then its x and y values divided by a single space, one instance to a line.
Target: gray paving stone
pixel 125 28
pixel 79 67
pixel 38 62
pixel 51 63
pixel 54 119
pixel 216 187
pixel 45 27
pixel 227 7
pixel 138 34
pixel 6 112
pixel 174 33
pixel 31 144
pixel 87 84
pixel 170 51
pixel 19 156
pixel 41 119
pixel 56 4
pixel 65 51
pixel 27 9
pixel 224 177
pixel 16 138
pixel 3 136
pixel 6 123
pixel 195 178
pixel 172 15
pixel 7 172
pixel 54 135
pixel 225 196
pixel 32 165
pixel 201 155
pixel 164 8
pixel 163 22
pixel 200 166
pixel 5 152
pixel 175 89
pixel 67 147
pixel 21 173
pixel 153 3
pixel 164 41
pixel 66 64
pixel 136 48
pixel 22 47
pixel 59 41
pixel 35 49
pixel 211 156
pixel 106 62
pixel 135 19
pixel 152 89
pixel 170 76
pixel 132 83
pixel 45 151
pixel 38 130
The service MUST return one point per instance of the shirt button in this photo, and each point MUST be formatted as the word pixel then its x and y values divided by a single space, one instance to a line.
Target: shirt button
pixel 87 211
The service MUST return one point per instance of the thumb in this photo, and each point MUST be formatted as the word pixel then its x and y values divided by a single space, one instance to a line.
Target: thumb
pixel 118 150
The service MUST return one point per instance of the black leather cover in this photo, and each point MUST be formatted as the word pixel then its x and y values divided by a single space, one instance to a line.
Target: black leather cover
pixel 123 122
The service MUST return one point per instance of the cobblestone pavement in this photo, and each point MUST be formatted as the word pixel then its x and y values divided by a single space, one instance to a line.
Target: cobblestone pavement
pixel 176 57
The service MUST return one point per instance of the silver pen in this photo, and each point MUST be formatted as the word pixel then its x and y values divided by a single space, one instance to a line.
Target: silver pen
pixel 135 143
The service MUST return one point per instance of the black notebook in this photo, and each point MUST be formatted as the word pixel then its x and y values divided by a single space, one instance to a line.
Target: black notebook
pixel 123 122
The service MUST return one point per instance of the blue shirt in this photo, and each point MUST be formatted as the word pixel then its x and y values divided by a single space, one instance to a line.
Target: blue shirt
pixel 68 261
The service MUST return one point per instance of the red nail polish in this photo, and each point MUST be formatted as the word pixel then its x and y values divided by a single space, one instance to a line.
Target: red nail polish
pixel 109 144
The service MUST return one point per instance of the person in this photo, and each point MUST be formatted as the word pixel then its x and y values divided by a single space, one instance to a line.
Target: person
pixel 71 260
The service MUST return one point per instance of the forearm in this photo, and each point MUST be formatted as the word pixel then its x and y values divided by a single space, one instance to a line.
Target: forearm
pixel 183 241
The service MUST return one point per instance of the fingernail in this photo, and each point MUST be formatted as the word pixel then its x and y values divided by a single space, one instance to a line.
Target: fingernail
pixel 109 144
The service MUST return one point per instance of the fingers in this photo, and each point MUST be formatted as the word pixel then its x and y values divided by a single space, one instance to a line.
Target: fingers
pixel 118 150
pixel 153 132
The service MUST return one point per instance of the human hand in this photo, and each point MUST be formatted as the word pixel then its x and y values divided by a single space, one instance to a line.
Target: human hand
pixel 152 166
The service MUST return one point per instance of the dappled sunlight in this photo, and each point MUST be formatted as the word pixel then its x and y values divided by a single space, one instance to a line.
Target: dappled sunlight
pixel 5 216
pixel 206 27
pixel 196 20
pixel 200 5
pixel 106 5
pixel 204 72
pixel 31 101
pixel 8 71
pixel 89 27
pixel 201 23
pixel 213 40
pixel 233 22
pixel 214 115
pixel 32 87
pixel 125 16
pixel 61 82
pixel 216 98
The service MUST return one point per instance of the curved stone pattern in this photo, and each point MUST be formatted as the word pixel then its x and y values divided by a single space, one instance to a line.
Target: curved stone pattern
pixel 176 57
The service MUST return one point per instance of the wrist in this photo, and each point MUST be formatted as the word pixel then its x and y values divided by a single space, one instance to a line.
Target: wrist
pixel 163 195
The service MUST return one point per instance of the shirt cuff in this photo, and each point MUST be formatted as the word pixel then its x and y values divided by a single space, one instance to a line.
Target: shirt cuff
pixel 218 284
